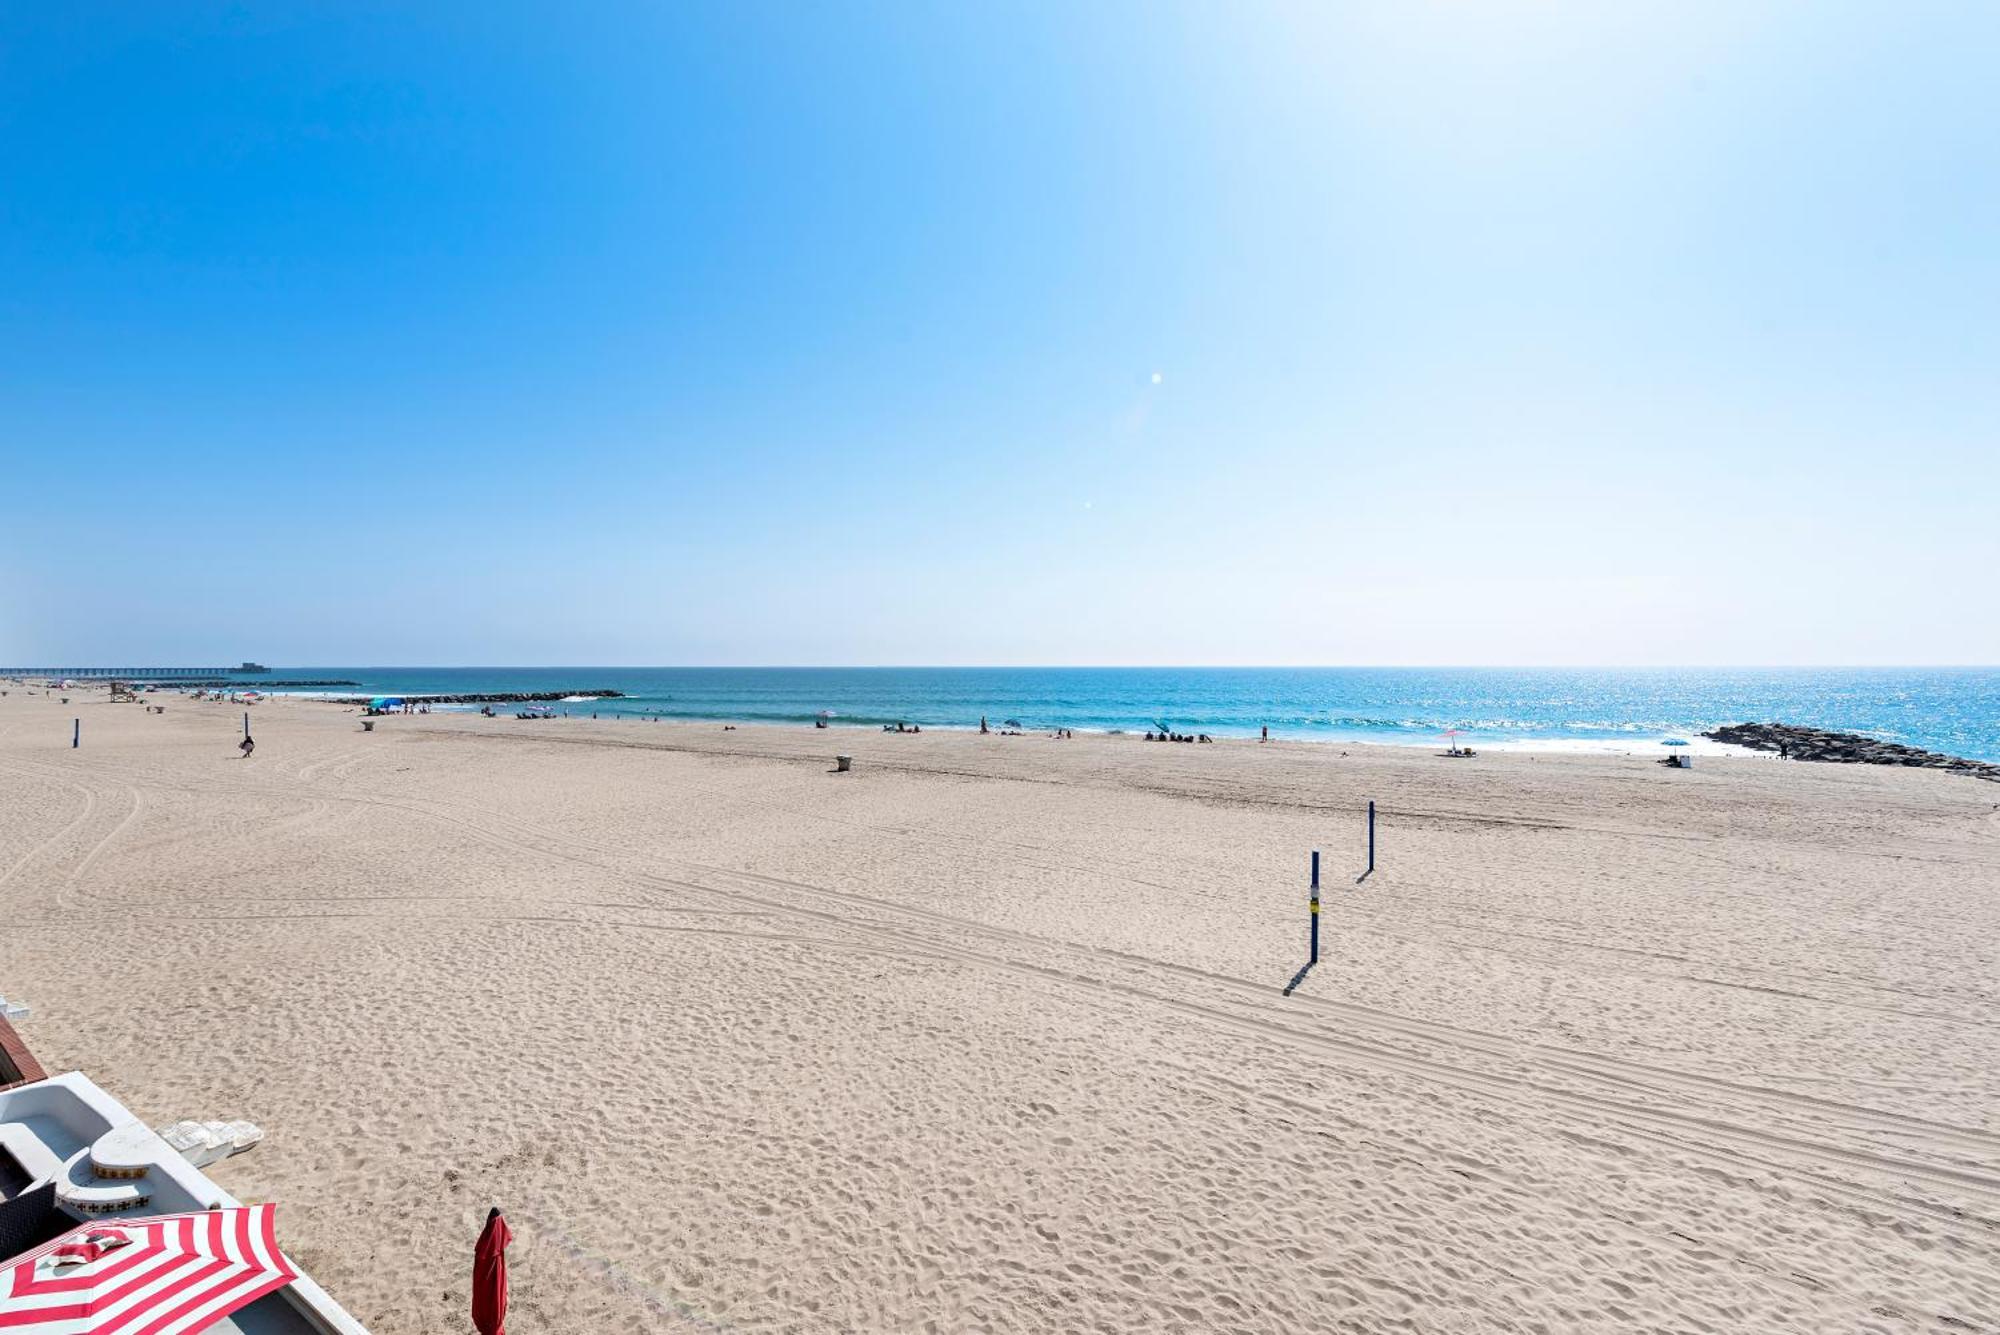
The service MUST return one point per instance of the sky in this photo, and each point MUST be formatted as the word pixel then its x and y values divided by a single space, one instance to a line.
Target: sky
pixel 999 334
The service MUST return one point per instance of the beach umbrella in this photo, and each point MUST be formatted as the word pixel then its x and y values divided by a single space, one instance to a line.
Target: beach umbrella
pixel 171 1274
pixel 1677 741
pixel 489 1276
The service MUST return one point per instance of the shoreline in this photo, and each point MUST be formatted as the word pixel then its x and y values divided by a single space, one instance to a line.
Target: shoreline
pixel 1647 746
pixel 1716 742
pixel 1954 713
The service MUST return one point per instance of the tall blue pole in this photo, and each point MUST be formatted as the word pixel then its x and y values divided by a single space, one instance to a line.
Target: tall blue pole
pixel 1315 908
pixel 76 733
pixel 1371 835
pixel 246 723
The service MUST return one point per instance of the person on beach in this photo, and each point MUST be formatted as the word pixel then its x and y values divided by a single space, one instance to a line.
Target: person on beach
pixel 1267 734
pixel 246 746
pixel 982 725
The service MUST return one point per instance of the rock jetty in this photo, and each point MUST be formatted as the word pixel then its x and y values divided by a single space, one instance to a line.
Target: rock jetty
pixel 1844 748
pixel 231 684
pixel 488 698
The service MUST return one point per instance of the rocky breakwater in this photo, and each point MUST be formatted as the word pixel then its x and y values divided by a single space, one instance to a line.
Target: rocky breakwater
pixel 489 698
pixel 1844 748
pixel 238 684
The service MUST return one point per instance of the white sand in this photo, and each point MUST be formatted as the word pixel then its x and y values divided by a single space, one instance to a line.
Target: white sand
pixel 987 1035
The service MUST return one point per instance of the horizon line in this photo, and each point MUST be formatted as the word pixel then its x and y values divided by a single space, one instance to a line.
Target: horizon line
pixel 1144 667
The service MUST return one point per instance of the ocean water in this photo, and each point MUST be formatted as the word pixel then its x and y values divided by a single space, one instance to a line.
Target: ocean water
pixel 1955 710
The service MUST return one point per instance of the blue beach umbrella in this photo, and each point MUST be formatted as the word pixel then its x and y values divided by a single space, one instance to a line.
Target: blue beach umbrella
pixel 1677 741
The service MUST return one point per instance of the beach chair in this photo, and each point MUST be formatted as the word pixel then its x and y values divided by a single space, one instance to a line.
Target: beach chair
pixel 204 1143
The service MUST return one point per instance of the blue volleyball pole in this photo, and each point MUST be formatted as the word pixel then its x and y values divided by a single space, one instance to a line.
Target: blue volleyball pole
pixel 1314 908
pixel 76 733
pixel 246 723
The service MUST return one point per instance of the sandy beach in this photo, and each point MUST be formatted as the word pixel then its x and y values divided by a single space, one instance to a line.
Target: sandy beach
pixel 987 1035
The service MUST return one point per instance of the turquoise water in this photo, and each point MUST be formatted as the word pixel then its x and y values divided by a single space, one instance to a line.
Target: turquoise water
pixel 1955 710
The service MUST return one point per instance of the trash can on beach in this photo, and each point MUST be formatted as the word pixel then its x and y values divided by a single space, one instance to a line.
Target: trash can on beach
pixel 842 764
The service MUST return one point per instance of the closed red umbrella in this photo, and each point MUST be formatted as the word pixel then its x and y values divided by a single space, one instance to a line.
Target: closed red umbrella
pixel 489 1276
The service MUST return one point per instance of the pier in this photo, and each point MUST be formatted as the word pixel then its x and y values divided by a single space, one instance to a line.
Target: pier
pixel 137 673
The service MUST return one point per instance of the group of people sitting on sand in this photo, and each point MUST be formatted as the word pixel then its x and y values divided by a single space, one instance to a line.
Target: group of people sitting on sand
pixel 1178 737
pixel 901 727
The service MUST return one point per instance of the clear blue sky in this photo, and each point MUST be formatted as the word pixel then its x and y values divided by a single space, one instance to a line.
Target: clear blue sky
pixel 1104 333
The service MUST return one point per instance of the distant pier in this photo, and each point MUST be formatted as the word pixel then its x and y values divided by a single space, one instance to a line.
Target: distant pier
pixel 137 673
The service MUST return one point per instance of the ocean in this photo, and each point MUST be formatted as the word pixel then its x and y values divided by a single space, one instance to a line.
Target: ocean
pixel 1954 710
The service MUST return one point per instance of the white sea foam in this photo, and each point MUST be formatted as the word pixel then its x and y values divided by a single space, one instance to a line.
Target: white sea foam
pixel 1613 746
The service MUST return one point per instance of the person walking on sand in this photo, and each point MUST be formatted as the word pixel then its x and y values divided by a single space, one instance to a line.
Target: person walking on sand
pixel 1267 734
pixel 982 725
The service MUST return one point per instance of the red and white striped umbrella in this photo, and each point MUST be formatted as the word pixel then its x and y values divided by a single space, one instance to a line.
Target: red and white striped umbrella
pixel 170 1274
